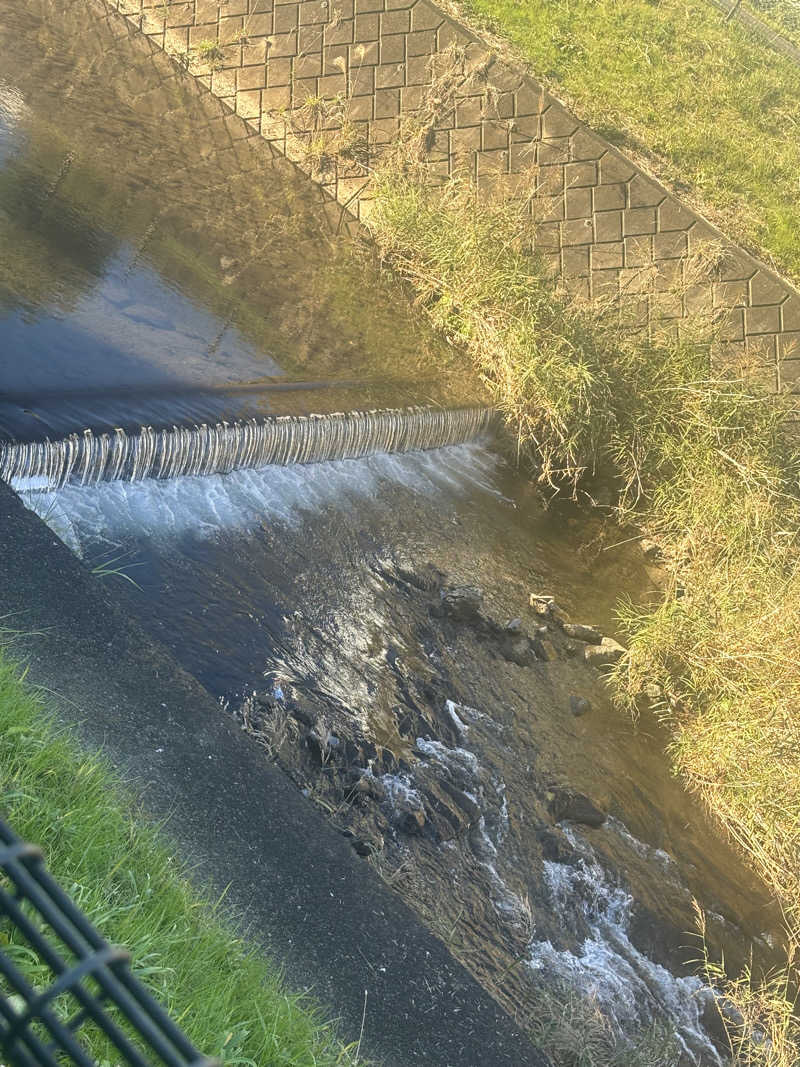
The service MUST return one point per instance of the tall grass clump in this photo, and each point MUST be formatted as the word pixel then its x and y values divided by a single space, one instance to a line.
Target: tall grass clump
pixel 758 1013
pixel 696 454
pixel 475 275
pixel 576 1033
pixel 118 869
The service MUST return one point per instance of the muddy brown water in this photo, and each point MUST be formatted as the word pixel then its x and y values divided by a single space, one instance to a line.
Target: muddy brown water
pixel 150 258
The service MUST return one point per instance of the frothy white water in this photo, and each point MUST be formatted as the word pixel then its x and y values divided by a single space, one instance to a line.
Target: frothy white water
pixel 13 110
pixel 89 458
pixel 400 789
pixel 631 989
pixel 461 758
pixel 205 507
pixel 488 792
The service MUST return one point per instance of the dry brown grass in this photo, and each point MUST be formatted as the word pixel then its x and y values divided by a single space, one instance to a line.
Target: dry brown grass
pixel 695 453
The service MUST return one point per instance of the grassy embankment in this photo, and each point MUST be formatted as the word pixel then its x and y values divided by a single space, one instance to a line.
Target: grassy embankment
pixel 700 101
pixel 117 868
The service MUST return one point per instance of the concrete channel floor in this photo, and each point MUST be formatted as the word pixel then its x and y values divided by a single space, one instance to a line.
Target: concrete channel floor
pixel 296 886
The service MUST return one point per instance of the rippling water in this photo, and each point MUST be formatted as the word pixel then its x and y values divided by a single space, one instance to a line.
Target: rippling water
pixel 222 447
pixel 294 572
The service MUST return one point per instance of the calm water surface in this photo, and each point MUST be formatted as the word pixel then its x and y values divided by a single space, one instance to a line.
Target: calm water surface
pixel 152 254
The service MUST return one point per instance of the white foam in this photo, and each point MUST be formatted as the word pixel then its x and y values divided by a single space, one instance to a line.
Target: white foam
pixel 204 507
pixel 508 904
pixel 631 989
pixel 13 108
pixel 503 820
pixel 460 758
pixel 461 727
pixel 399 789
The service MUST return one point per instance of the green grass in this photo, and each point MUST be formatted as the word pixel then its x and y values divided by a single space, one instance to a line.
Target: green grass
pixel 709 106
pixel 119 869
pixel 696 456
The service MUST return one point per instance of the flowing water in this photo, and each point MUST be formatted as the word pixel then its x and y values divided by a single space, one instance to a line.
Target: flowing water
pixel 281 441
pixel 170 285
pixel 330 578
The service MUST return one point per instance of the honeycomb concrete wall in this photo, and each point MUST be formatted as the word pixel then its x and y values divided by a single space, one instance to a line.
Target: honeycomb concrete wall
pixel 601 221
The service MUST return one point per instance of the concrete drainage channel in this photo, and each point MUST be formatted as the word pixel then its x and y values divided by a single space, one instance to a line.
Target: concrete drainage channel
pixel 241 823
pixel 296 883
pixel 297 886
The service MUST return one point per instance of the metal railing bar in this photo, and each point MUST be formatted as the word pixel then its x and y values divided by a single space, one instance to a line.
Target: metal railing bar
pixel 57 1030
pixel 160 1037
pixel 67 982
pixel 59 966
pixel 31 886
pixel 130 986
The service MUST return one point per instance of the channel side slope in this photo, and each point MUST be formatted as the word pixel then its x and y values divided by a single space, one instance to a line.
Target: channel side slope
pixel 604 225
pixel 294 883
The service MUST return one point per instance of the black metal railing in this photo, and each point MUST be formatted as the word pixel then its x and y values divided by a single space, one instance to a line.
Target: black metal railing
pixel 89 982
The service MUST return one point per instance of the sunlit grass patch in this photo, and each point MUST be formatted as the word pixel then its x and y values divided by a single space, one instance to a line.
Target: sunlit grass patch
pixel 704 102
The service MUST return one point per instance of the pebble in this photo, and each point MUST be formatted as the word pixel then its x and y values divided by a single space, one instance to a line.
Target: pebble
pixel 580 632
pixel 605 654
pixel 579 705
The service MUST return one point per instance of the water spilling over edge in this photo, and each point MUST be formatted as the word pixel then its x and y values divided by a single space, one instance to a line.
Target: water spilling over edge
pixel 221 447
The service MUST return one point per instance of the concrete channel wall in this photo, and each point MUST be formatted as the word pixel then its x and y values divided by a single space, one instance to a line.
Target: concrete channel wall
pixel 601 221
pixel 291 882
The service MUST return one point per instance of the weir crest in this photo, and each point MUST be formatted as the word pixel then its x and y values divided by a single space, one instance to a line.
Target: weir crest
pixel 88 457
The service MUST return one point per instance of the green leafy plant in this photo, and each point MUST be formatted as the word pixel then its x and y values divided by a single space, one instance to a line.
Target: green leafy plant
pixel 209 52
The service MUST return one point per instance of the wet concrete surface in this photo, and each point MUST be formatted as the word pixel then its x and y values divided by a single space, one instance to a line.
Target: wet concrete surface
pixel 239 822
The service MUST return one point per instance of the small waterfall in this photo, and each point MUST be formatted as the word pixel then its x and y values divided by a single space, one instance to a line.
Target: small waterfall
pixel 221 447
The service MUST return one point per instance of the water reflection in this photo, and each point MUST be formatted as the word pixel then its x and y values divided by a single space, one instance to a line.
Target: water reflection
pixel 148 237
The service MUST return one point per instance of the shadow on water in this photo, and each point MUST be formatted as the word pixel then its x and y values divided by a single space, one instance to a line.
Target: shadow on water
pixel 149 238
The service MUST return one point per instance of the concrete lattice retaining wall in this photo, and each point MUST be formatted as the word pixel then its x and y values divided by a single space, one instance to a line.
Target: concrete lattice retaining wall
pixel 601 221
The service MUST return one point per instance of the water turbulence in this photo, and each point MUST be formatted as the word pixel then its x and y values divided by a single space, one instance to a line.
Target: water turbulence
pixel 443 738
pixel 284 440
